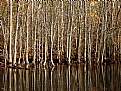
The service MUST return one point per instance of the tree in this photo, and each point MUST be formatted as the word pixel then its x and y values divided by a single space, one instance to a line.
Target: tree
pixel 27 32
pixel 11 29
pixel 16 33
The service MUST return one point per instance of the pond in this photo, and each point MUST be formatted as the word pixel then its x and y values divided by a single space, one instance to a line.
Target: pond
pixel 62 78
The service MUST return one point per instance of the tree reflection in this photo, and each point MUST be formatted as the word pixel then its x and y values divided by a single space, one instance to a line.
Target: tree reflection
pixel 62 78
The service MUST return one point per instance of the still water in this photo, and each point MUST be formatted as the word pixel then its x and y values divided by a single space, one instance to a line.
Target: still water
pixel 62 78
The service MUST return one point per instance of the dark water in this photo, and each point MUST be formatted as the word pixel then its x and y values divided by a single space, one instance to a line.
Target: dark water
pixel 62 78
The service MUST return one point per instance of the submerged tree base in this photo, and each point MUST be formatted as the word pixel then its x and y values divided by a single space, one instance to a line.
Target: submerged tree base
pixel 48 63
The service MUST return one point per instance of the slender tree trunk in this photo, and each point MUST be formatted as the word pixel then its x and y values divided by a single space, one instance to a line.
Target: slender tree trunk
pixel 11 29
pixel 35 32
pixel 62 24
pixel 16 34
pixel 52 25
pixel 42 39
pixel 79 31
pixel 115 33
pixel 21 35
pixel 85 31
pixel 27 24
pixel 97 36
pixel 45 47
pixel 58 41
pixel 32 19
pixel 71 28
pixel 40 28
pixel 67 36
pixel 35 36
pixel 45 34
pixel 90 27
pixel 104 46
pixel 119 31
pixel 20 45
pixel 104 27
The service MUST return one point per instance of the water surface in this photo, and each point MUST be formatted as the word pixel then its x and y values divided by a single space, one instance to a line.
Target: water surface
pixel 62 78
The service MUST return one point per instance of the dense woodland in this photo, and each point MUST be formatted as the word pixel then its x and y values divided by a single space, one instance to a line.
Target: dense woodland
pixel 60 31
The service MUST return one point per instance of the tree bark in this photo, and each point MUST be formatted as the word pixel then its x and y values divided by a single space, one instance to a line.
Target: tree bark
pixel 51 33
pixel 71 28
pixel 85 31
pixel 79 31
pixel 27 32
pixel 11 29
pixel 16 34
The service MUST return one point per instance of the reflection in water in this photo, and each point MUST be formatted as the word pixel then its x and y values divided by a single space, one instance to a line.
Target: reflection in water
pixel 62 78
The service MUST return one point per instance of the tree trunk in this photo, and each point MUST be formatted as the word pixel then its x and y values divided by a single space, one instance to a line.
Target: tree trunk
pixel 71 28
pixel 45 23
pixel 79 31
pixel 85 31
pixel 90 27
pixel 62 24
pixel 16 34
pixel 11 29
pixel 32 27
pixel 51 33
pixel 27 23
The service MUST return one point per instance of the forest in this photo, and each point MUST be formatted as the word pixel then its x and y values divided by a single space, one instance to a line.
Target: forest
pixel 58 31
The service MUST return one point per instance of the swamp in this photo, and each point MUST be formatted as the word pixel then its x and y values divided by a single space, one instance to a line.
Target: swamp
pixel 60 45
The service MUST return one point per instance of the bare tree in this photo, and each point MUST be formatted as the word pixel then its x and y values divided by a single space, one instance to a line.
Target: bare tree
pixel 35 37
pixel 89 29
pixel 27 32
pixel 79 30
pixel 85 31
pixel 67 36
pixel 58 39
pixel 40 29
pixel 11 29
pixel 16 33
pixel 51 34
pixel 45 34
pixel 32 27
pixel 71 29
pixel 62 24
